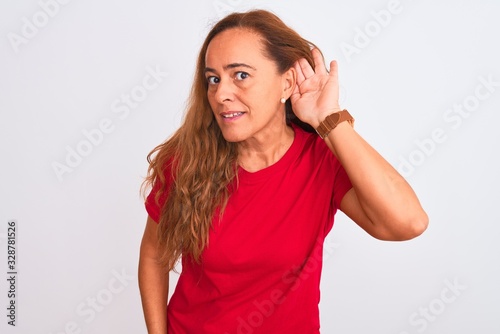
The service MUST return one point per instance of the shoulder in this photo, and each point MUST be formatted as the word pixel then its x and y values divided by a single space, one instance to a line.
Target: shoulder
pixel 312 146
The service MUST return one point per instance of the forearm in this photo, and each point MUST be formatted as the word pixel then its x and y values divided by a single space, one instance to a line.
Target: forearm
pixel 384 195
pixel 153 286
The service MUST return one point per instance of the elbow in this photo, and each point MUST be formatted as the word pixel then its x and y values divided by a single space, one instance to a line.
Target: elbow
pixel 404 228
pixel 421 224
pixel 412 227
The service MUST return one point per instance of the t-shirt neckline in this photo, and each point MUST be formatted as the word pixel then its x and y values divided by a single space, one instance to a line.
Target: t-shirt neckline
pixel 278 166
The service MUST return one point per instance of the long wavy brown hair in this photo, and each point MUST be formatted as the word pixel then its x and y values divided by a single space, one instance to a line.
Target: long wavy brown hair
pixel 202 163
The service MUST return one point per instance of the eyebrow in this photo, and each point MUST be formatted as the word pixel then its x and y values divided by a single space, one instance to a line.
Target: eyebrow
pixel 229 66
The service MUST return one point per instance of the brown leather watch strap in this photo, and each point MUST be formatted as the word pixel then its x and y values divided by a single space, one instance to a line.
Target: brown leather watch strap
pixel 331 121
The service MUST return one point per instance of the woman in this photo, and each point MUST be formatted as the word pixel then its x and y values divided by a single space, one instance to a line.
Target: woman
pixel 245 191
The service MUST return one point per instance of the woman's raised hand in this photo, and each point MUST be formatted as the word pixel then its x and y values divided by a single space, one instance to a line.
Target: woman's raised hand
pixel 316 93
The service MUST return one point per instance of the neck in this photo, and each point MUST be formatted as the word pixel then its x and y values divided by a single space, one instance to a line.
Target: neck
pixel 258 153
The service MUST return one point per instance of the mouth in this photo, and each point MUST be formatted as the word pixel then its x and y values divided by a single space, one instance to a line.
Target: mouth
pixel 232 115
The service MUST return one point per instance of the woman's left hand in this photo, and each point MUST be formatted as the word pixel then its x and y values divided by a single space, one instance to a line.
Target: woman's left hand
pixel 316 93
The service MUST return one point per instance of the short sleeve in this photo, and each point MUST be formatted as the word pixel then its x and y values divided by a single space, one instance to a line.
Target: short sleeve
pixel 321 155
pixel 341 185
pixel 154 207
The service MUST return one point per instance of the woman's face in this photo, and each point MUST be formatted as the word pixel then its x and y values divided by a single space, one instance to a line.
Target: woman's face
pixel 244 86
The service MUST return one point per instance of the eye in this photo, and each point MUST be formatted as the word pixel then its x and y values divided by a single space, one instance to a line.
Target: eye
pixel 212 80
pixel 241 75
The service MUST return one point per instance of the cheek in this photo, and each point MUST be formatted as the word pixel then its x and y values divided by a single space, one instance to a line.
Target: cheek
pixel 267 98
pixel 271 89
pixel 211 100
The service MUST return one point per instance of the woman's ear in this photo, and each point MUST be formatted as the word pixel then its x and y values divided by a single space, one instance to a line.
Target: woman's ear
pixel 289 82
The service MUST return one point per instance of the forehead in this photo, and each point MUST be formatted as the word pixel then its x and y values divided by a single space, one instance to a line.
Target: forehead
pixel 234 45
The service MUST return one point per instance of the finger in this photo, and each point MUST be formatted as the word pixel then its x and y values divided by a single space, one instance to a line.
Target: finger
pixel 319 62
pixel 295 94
pixel 334 70
pixel 306 68
pixel 300 74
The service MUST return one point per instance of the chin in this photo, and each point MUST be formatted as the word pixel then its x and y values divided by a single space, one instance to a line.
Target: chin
pixel 233 136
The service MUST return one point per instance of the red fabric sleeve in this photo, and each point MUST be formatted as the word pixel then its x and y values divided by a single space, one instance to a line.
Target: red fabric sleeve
pixel 154 207
pixel 341 186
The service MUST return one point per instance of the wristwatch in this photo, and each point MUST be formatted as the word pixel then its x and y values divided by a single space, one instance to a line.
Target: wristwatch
pixel 331 121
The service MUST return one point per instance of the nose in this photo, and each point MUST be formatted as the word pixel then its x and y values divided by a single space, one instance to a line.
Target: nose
pixel 225 91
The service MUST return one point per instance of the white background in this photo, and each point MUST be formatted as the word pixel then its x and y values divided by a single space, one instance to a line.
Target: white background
pixel 402 75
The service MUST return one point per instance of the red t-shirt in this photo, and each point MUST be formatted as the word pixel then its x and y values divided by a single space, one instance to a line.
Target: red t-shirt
pixel 261 270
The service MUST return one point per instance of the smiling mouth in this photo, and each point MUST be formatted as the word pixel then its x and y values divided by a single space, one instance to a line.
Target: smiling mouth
pixel 232 115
